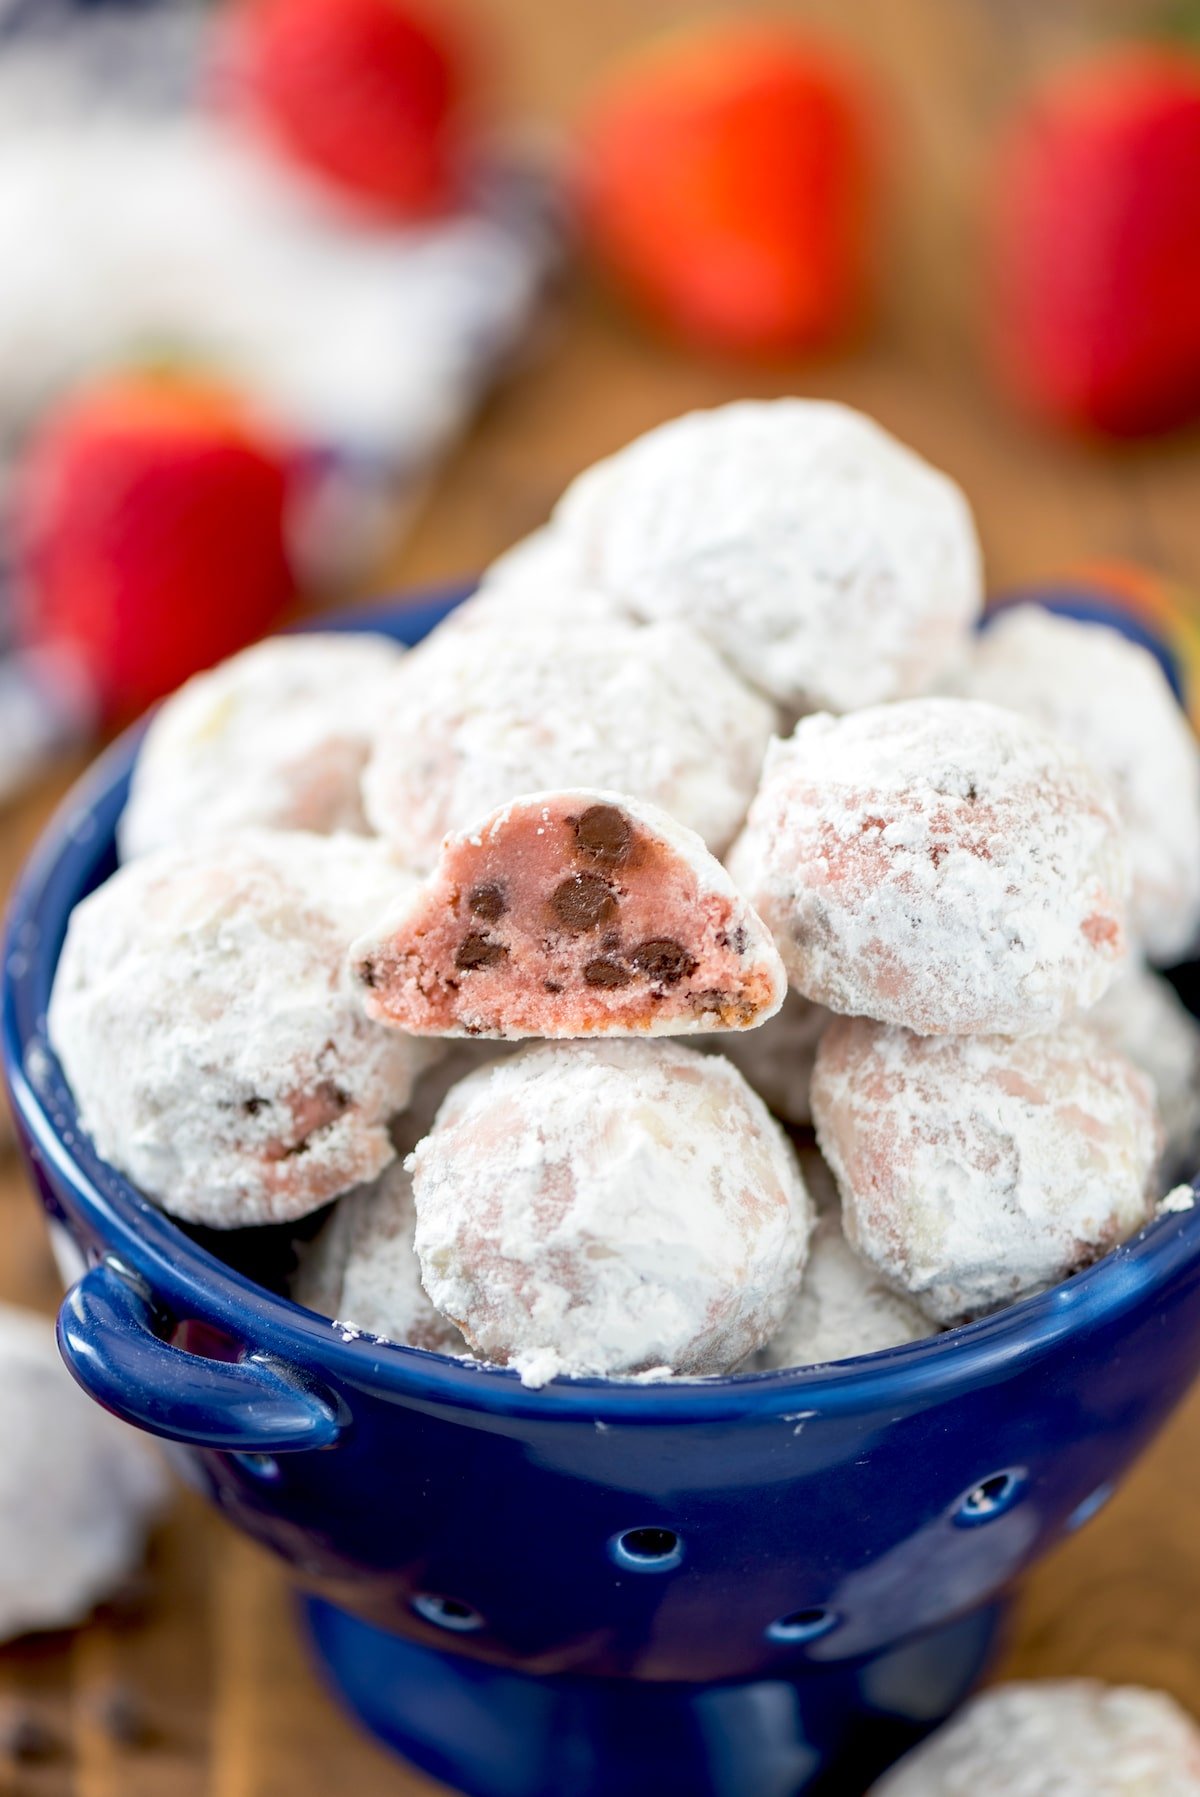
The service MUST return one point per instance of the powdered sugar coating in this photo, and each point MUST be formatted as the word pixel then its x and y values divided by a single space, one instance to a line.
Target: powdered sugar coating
pixel 975 1170
pixel 941 864
pixel 777 1059
pixel 569 914
pixel 827 563
pixel 78 1490
pixel 1109 696
pixel 276 736
pixel 609 1208
pixel 842 1309
pixel 1143 1018
pixel 480 715
pixel 1062 1738
pixel 362 1270
pixel 206 1022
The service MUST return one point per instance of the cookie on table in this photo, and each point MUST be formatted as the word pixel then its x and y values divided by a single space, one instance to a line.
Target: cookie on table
pixel 518 701
pixel 976 1170
pixel 362 1269
pixel 277 736
pixel 1142 1017
pixel 78 1490
pixel 572 913
pixel 206 1021
pixel 1060 1738
pixel 828 564
pixel 941 864
pixel 1109 696
pixel 610 1208
pixel 843 1308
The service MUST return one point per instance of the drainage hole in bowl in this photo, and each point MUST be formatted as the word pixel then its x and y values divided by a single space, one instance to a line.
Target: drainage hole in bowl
pixel 647 1549
pixel 990 1498
pixel 802 1625
pixel 447 1613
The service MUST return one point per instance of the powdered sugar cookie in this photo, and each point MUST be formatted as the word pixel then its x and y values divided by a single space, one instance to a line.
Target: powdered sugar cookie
pixel 828 564
pixel 1109 696
pixel 609 1207
pixel 572 914
pixel 778 1059
pixel 1143 1018
pixel 206 1020
pixel 975 1170
pixel 277 736
pixel 1062 1738
pixel 531 704
pixel 842 1309
pixel 78 1490
pixel 941 864
pixel 362 1270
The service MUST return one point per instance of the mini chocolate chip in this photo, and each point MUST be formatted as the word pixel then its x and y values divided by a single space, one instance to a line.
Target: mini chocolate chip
pixel 335 1096
pixel 488 901
pixel 605 834
pixel 606 973
pixel 583 902
pixel 121 1715
pixel 551 986
pixel 476 951
pixel 253 1106
pixel 25 1737
pixel 368 974
pixel 664 959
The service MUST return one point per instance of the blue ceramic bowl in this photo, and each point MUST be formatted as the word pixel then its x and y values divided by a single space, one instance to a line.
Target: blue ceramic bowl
pixel 766 1583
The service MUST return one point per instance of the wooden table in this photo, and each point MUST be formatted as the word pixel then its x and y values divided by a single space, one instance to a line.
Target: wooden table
pixel 231 1706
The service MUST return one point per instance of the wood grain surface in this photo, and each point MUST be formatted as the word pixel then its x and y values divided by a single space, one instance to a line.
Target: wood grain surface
pixel 224 1701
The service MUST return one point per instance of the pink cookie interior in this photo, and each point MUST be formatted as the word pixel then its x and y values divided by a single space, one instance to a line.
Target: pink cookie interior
pixel 566 920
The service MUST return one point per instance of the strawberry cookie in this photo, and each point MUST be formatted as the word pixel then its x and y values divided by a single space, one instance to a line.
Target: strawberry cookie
pixel 205 1019
pixel 941 864
pixel 609 1208
pixel 1110 697
pixel 1062 1738
pixel 572 914
pixel 975 1170
pixel 277 736
pixel 507 702
pixel 828 564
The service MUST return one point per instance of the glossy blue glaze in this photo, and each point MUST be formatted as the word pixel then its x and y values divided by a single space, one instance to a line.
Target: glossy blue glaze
pixel 800 1539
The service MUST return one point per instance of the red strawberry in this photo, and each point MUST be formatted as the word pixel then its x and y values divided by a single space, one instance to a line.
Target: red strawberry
pixel 366 93
pixel 727 185
pixel 1095 232
pixel 150 525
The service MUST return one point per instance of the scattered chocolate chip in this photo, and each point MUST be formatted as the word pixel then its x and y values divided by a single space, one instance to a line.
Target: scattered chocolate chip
pixel 488 901
pixel 552 985
pixel 25 1737
pixel 606 973
pixel 121 1715
pixel 368 974
pixel 972 792
pixel 663 959
pixel 583 902
pixel 333 1095
pixel 475 950
pixel 605 834
pixel 253 1106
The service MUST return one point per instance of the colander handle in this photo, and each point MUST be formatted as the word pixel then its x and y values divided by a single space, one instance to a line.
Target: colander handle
pixel 107 1336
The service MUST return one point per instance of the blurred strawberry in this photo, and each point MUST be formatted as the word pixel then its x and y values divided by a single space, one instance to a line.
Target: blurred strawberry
pixel 727 184
pixel 1095 228
pixel 366 93
pixel 149 515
